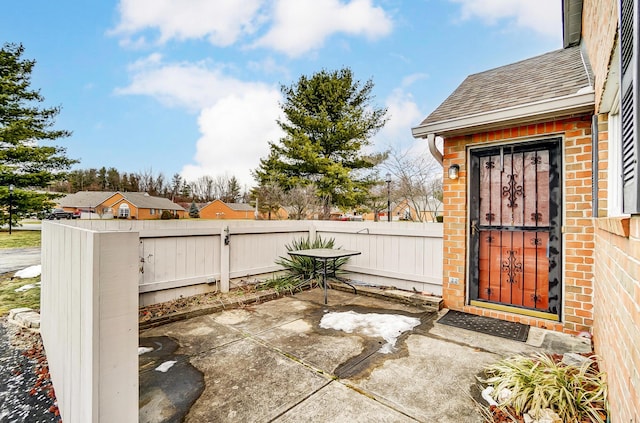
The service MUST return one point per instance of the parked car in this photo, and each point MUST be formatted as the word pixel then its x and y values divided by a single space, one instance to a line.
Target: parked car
pixel 61 214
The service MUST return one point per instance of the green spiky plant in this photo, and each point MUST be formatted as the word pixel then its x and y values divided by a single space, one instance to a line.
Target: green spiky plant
pixel 300 269
pixel 575 393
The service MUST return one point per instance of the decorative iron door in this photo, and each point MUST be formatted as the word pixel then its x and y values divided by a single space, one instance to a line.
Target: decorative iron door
pixel 515 228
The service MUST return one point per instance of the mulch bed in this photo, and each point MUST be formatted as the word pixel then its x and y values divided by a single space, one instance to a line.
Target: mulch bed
pixel 26 391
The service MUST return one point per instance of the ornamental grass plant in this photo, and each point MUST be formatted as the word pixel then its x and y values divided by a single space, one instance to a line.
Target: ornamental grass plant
pixel 538 382
pixel 298 270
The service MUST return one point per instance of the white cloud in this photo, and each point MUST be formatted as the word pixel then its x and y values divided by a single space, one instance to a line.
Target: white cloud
pixel 235 134
pixel 190 85
pixel 542 16
pixel 403 114
pixel 236 118
pixel 300 26
pixel 221 22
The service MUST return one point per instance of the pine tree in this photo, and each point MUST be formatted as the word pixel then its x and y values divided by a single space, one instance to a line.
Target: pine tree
pixel 330 119
pixel 27 161
pixel 193 210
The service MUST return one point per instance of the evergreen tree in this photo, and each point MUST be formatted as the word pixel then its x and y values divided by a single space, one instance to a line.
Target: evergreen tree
pixel 26 161
pixel 330 118
pixel 193 210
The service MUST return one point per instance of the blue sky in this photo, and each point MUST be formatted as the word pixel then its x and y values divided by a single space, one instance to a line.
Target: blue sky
pixel 192 86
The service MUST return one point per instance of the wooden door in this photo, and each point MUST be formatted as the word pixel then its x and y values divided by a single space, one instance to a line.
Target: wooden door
pixel 515 227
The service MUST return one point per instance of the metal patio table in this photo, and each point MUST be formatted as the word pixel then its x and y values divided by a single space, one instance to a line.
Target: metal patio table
pixel 323 255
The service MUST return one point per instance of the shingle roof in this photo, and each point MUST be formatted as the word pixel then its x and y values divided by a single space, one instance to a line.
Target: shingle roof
pixel 85 199
pixel 551 75
pixel 139 199
pixel 240 206
pixel 146 201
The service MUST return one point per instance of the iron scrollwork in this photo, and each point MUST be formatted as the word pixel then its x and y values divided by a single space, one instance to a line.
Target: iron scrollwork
pixel 511 266
pixel 512 191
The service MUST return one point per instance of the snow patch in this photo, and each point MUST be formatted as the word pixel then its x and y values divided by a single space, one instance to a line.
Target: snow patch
pixel 24 288
pixel 144 350
pixel 29 272
pixel 387 326
pixel 165 366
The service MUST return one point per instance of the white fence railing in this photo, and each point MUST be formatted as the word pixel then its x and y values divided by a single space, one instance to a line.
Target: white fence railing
pixel 96 274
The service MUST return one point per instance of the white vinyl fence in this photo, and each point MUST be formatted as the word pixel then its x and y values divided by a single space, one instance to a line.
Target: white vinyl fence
pixel 97 273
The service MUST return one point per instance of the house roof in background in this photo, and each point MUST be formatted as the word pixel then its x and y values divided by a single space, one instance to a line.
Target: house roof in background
pixel 143 200
pixel 553 82
pixel 240 206
pixel 139 199
pixel 232 206
pixel 85 199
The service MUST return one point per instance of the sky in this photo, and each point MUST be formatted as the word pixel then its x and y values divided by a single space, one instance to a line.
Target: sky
pixel 193 86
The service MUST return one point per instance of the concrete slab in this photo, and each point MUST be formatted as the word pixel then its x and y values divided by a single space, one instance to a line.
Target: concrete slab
pixel 248 382
pixel 338 403
pixel 197 335
pixel 273 362
pixel 432 382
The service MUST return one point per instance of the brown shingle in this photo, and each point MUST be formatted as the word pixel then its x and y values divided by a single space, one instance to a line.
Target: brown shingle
pixel 551 75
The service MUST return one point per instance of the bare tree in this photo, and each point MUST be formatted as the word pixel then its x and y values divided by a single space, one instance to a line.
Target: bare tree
pixel 269 197
pixel 377 200
pixel 417 180
pixel 302 201
pixel 202 188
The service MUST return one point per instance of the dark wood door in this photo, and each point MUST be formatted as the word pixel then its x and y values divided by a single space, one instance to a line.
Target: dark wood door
pixel 515 227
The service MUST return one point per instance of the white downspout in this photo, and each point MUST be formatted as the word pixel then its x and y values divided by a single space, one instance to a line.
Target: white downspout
pixel 431 138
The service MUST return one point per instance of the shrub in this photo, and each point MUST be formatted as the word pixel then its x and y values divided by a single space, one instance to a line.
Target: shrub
pixel 299 269
pixel 166 215
pixel 575 393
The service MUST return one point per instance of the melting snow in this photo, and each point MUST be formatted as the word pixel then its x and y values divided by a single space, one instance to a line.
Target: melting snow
pixel 165 366
pixel 25 287
pixel 144 350
pixel 387 326
pixel 29 272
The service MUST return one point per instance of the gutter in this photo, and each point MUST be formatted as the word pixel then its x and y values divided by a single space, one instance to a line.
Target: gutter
pixel 581 102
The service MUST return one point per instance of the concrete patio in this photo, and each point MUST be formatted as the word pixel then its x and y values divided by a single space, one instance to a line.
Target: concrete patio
pixel 273 362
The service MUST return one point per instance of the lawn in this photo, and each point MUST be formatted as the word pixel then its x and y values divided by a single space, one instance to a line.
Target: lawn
pixel 9 298
pixel 19 239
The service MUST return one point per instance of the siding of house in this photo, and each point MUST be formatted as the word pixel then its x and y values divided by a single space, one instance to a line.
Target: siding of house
pixel 578 240
pixel 219 210
pixel 115 201
pixel 616 331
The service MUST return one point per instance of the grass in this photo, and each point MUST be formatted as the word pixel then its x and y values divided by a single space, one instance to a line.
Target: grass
pixel 9 298
pixel 19 239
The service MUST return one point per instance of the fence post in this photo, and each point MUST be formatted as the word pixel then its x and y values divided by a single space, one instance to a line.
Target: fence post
pixel 225 244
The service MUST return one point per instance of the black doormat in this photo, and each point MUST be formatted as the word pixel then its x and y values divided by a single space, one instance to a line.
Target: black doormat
pixel 488 325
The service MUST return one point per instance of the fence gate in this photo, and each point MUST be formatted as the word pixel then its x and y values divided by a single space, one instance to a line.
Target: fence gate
pixel 515 228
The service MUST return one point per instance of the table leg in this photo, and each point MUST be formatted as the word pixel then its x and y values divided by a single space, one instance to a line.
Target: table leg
pixel 324 281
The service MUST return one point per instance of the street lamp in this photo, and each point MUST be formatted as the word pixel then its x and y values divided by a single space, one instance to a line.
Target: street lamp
pixel 388 181
pixel 10 206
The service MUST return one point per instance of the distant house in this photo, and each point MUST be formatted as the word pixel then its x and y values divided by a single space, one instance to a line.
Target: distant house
pixel 121 205
pixel 218 209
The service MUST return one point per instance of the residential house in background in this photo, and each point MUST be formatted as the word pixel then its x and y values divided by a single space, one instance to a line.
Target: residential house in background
pixel 541 206
pixel 218 209
pixel 120 205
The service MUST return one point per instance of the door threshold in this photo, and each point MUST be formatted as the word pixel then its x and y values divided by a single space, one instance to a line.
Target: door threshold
pixel 516 310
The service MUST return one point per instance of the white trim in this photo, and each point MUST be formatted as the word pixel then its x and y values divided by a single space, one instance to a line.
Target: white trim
pixel 580 102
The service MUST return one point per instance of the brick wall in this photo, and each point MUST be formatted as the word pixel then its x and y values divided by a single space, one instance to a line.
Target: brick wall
pixel 578 238
pixel 617 312
pixel 600 23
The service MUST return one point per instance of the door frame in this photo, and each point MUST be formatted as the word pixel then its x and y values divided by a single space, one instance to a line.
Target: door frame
pixel 557 290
